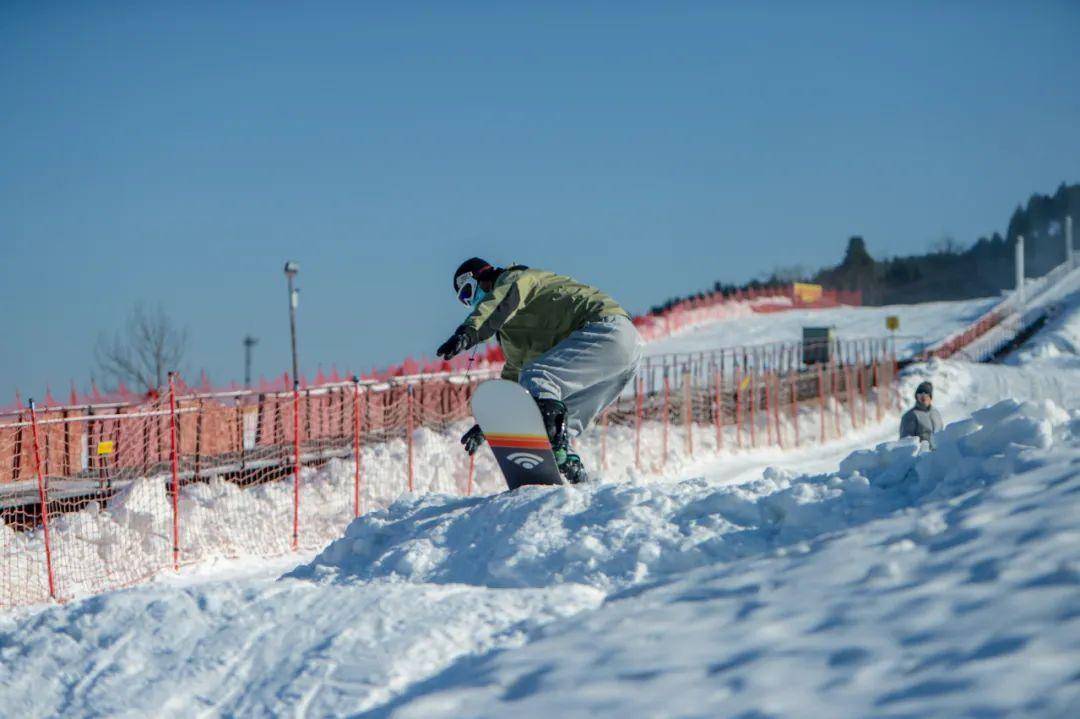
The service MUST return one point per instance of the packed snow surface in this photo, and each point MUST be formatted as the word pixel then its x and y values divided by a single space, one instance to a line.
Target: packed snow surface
pixel 866 577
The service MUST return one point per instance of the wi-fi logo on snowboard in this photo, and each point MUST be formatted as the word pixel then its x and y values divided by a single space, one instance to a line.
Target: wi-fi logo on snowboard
pixel 525 459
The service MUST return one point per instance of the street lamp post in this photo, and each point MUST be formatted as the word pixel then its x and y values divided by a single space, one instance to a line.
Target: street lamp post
pixel 249 343
pixel 291 268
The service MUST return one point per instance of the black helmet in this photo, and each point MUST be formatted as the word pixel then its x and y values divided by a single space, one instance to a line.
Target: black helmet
pixel 473 267
pixel 924 388
pixel 467 278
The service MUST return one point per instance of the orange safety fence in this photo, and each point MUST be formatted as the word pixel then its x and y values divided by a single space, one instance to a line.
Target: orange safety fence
pixel 98 497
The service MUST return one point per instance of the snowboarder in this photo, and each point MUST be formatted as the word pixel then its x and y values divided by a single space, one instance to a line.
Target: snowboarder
pixel 922 420
pixel 570 345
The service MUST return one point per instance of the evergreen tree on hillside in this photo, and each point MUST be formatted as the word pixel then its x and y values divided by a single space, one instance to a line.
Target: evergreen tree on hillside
pixel 859 271
pixel 948 271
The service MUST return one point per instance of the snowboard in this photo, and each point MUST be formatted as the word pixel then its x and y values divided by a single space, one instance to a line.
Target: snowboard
pixel 514 429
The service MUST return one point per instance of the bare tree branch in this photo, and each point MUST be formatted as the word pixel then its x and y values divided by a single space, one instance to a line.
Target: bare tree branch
pixel 946 245
pixel 144 351
pixel 786 274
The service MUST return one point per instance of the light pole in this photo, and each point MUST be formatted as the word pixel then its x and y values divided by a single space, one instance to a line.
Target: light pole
pixel 249 342
pixel 291 268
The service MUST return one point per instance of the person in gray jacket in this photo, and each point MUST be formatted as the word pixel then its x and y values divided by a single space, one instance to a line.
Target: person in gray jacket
pixel 922 420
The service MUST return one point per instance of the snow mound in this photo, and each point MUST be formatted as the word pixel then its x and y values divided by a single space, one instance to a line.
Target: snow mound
pixel 963 606
pixel 611 536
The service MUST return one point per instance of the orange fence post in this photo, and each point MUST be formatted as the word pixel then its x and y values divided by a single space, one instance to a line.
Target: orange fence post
pixel 667 416
pixel 472 470
pixel 409 430
pixel 795 404
pixel 769 401
pixel 894 393
pixel 864 392
pixel 356 446
pixel 637 422
pixel 296 465
pixel 688 410
pixel 174 463
pixel 877 391
pixel 834 385
pixel 718 417
pixel 738 408
pixel 44 499
pixel 753 408
pixel 851 395
pixel 776 409
pixel 821 399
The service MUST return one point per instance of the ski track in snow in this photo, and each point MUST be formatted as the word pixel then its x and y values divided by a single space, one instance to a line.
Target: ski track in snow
pixel 821 582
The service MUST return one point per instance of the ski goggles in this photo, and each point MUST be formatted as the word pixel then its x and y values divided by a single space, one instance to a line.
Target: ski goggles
pixel 467 289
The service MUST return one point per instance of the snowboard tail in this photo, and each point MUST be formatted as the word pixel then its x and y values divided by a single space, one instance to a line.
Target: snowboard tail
pixel 514 430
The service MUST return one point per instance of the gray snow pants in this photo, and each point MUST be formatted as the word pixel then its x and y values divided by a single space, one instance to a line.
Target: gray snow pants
pixel 587 370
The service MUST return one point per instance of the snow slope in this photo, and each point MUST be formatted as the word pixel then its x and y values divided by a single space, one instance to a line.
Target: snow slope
pixel 850 594
pixel 900 580
pixel 920 325
pixel 1058 344
pixel 883 581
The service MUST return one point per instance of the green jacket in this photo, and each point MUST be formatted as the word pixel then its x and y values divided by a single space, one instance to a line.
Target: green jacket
pixel 530 311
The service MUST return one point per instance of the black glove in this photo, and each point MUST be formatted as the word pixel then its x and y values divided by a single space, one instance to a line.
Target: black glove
pixel 473 439
pixel 458 343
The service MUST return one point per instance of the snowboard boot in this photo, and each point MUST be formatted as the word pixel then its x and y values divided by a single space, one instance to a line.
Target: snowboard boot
pixel 573 469
pixel 554 413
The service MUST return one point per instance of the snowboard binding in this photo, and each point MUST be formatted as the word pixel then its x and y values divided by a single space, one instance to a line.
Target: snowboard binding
pixel 553 412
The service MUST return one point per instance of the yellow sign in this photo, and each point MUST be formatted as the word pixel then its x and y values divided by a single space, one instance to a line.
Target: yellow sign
pixel 106 447
pixel 807 293
pixel 892 323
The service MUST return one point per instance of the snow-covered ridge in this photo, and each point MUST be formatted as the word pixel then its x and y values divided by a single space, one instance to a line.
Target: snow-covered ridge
pixel 612 536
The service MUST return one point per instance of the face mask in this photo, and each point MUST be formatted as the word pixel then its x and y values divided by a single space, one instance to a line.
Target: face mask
pixel 478 297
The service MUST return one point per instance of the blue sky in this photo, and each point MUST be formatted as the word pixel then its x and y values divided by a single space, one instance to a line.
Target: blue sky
pixel 179 153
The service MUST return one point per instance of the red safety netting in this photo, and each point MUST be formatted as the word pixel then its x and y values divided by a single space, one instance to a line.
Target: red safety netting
pixel 102 496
